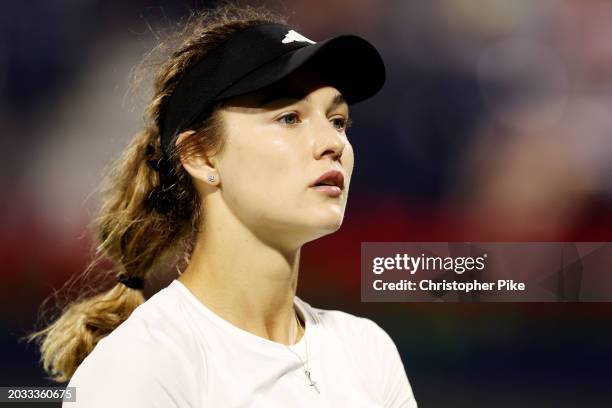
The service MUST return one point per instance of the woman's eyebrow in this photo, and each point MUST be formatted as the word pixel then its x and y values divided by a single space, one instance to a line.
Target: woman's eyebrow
pixel 337 100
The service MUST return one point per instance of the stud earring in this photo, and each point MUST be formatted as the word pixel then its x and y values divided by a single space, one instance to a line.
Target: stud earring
pixel 211 178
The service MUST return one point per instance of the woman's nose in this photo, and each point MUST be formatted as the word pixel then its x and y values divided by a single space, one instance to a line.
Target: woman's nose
pixel 328 140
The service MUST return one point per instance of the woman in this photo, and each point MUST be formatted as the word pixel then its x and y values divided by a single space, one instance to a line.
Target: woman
pixel 245 161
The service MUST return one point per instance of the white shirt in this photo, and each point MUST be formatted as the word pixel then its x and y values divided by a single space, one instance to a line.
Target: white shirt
pixel 173 351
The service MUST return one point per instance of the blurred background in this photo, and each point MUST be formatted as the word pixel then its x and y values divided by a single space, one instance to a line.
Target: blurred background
pixel 494 125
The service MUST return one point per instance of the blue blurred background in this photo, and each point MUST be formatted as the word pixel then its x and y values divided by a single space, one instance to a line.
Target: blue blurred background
pixel 494 125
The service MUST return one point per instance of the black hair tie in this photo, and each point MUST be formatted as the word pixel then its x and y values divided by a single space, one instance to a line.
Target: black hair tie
pixel 161 165
pixel 133 282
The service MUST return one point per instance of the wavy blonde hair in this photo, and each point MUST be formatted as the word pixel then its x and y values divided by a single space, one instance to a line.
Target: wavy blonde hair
pixel 142 220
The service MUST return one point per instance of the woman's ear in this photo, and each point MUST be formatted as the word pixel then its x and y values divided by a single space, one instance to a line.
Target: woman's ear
pixel 198 166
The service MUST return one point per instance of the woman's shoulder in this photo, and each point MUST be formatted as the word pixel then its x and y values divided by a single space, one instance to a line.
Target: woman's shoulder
pixel 158 324
pixel 144 355
pixel 372 347
pixel 344 323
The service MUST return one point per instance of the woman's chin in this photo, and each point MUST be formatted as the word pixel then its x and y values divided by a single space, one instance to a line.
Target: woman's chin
pixel 328 223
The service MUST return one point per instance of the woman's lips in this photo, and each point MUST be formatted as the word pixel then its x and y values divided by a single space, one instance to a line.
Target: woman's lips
pixel 331 183
pixel 332 191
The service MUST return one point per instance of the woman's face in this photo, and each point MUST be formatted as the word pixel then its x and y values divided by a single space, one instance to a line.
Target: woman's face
pixel 279 141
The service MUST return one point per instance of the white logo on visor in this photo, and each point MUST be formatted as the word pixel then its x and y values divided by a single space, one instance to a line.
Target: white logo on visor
pixel 292 36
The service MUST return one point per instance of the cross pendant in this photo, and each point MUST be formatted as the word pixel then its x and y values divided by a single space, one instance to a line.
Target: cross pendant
pixel 312 383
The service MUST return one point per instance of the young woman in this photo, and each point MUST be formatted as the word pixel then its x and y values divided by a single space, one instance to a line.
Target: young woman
pixel 245 160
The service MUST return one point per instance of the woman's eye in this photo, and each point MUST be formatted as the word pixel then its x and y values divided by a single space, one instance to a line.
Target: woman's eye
pixel 290 119
pixel 341 123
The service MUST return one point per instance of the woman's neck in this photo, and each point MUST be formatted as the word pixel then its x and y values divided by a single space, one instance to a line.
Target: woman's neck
pixel 248 284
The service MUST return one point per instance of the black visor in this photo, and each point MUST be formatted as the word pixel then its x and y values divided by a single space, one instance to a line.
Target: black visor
pixel 261 55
